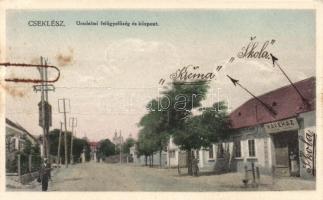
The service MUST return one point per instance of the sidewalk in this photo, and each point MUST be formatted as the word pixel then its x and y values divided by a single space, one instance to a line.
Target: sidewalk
pixel 12 183
pixel 233 181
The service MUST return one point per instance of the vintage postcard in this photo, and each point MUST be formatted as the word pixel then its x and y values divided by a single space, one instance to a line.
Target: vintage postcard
pixel 180 99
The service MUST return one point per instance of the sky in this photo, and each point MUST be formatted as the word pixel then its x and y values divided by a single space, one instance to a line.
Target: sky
pixel 110 73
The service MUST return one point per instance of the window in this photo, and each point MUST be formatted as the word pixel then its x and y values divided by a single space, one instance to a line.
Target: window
pixel 237 148
pixel 197 154
pixel 211 156
pixel 172 154
pixel 251 146
pixel 220 152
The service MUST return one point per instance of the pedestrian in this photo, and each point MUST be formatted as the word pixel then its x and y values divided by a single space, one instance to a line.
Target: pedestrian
pixel 44 174
pixel 293 164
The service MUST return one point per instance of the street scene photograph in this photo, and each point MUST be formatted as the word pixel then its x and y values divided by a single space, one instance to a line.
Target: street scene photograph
pixel 160 100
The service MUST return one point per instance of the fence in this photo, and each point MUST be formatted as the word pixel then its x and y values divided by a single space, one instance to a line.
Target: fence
pixel 25 166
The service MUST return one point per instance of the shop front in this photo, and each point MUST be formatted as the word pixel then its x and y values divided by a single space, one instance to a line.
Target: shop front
pixel 284 135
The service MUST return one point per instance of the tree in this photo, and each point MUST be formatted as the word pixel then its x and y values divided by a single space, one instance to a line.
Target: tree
pixel 203 130
pixel 30 148
pixel 78 145
pixel 176 119
pixel 106 148
pixel 154 123
pixel 216 121
pixel 146 144
pixel 130 142
pixel 183 98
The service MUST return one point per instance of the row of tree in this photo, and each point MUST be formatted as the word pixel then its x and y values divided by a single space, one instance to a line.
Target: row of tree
pixel 106 148
pixel 171 115
pixel 79 145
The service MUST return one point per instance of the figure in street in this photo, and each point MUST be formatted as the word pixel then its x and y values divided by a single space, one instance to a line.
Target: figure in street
pixel 195 167
pixel 44 174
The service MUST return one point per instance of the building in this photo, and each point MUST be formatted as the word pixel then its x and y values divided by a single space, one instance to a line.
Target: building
pixel 17 136
pixel 18 140
pixel 283 144
pixel 175 157
pixel 94 149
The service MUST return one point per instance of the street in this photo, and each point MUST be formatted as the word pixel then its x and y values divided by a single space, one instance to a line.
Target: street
pixel 127 177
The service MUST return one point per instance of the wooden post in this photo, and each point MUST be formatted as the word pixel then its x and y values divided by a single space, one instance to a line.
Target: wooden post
pixel 246 178
pixel 19 166
pixel 253 173
pixel 29 163
pixel 258 173
pixel 314 156
pixel 59 145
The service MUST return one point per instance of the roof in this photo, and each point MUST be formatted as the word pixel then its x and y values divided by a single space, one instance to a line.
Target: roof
pixel 93 143
pixel 285 101
pixel 19 127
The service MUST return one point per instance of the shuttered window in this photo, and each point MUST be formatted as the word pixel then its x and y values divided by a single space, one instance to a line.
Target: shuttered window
pixel 237 148
pixel 251 147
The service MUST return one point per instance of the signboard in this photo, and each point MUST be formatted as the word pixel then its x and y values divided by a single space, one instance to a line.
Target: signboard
pixel 283 125
pixel 48 114
pixel 307 153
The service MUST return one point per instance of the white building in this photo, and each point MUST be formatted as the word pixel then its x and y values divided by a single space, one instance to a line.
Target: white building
pixel 283 143
pixel 16 137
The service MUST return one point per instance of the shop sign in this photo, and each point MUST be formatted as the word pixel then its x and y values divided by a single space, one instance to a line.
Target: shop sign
pixel 283 125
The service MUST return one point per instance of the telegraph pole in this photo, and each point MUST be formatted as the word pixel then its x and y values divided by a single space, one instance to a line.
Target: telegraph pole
pixel 73 123
pixel 44 107
pixel 120 142
pixel 59 144
pixel 47 123
pixel 65 125
pixel 65 138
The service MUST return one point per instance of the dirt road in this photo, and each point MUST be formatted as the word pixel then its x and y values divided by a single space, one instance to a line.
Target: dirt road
pixel 127 177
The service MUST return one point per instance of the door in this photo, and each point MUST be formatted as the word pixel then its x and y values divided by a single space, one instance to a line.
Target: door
pixel 285 144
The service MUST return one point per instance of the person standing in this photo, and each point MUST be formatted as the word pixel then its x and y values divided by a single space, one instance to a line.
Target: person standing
pixel 293 164
pixel 44 174
pixel 195 167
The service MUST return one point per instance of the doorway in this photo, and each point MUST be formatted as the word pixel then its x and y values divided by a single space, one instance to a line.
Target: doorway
pixel 287 153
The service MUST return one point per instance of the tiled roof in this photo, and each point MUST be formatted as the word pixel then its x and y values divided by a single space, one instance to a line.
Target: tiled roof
pixel 19 127
pixel 285 101
pixel 93 143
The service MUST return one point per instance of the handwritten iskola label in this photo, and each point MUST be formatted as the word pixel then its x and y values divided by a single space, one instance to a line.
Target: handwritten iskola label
pixel 255 50
pixel 307 156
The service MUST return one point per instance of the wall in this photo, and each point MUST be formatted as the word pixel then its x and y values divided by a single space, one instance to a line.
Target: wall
pixel 263 148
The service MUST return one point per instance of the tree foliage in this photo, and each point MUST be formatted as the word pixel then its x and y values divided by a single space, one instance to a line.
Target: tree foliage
pixel 130 142
pixel 78 145
pixel 172 115
pixel 106 148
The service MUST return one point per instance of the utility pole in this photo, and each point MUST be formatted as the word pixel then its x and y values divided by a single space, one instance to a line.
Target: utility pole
pixel 64 111
pixel 73 123
pixel 43 109
pixel 59 144
pixel 47 123
pixel 44 106
pixel 120 142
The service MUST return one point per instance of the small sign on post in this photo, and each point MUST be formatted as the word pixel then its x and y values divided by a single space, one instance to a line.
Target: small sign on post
pixel 48 114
